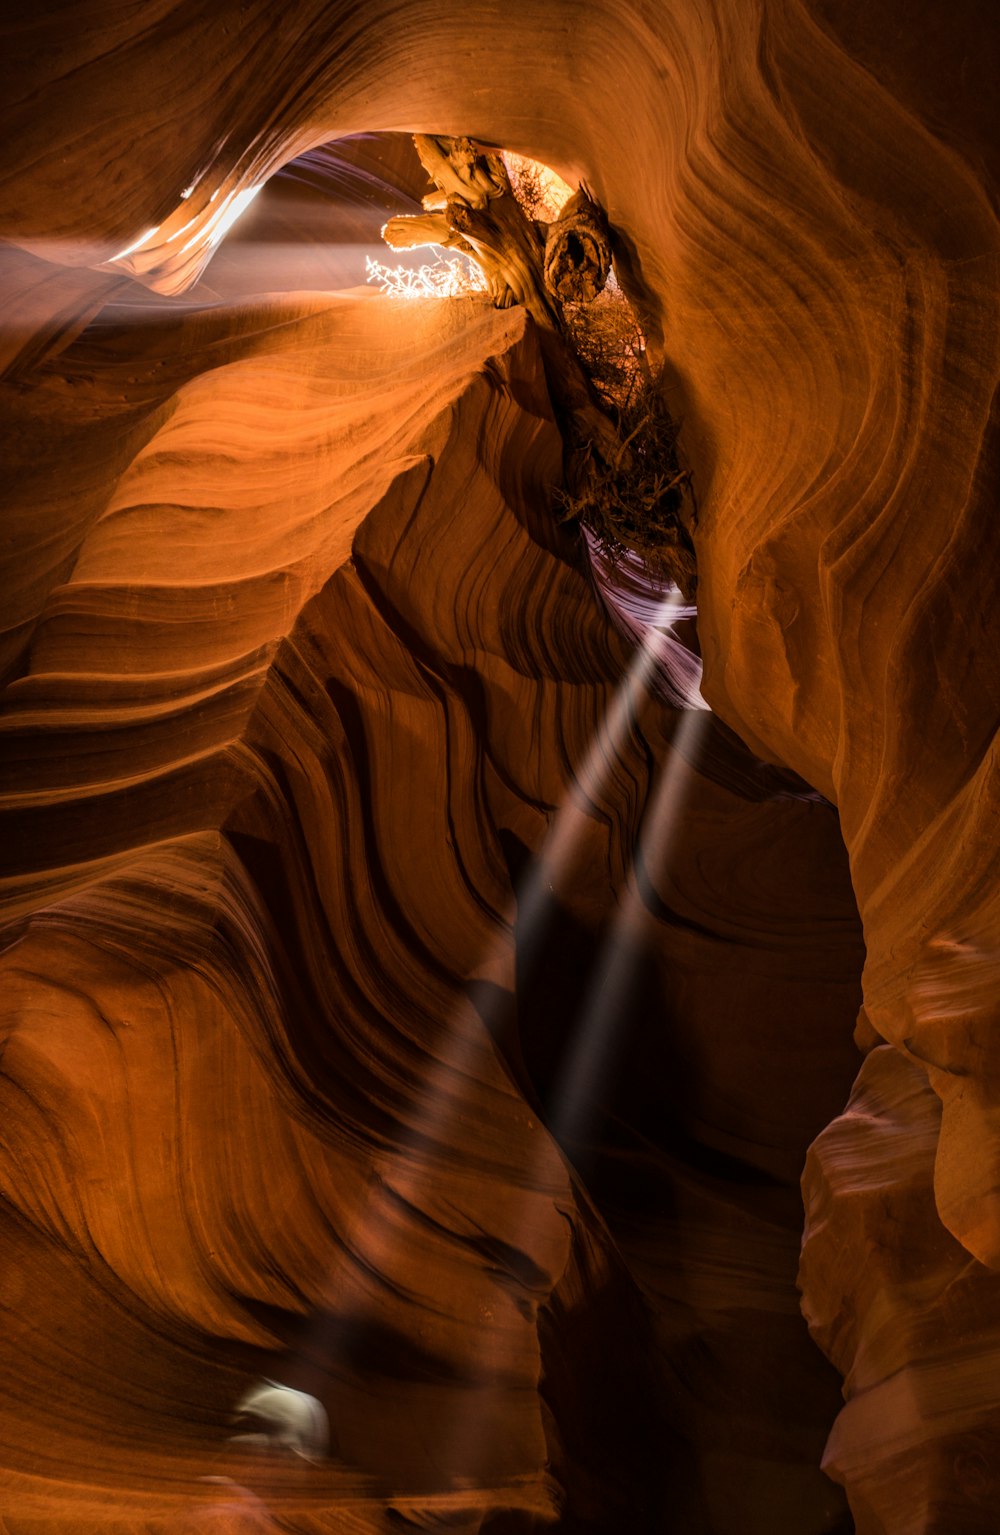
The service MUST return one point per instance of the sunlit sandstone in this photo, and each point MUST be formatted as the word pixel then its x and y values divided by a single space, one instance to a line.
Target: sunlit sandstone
pixel 299 671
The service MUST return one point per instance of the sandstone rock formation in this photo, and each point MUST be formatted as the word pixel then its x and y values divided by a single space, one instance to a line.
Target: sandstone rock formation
pixel 402 1000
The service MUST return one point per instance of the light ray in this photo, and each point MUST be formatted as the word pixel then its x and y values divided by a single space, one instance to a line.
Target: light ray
pixel 443 1096
pixel 591 1055
pixel 143 239
pixel 590 779
pixel 376 1232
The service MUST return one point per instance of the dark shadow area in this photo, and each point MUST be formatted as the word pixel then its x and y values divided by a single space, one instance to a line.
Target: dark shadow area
pixel 669 1151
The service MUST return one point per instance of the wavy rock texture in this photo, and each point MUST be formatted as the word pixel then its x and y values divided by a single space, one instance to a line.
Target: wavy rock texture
pixel 317 219
pixel 298 676
pixel 208 801
pixel 305 707
pixel 912 1329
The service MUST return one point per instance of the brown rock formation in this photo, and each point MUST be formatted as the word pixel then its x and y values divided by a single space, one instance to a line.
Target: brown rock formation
pixel 302 685
pixel 903 1310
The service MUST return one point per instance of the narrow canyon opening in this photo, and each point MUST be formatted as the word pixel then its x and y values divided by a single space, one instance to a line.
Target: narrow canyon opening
pixel 496 1024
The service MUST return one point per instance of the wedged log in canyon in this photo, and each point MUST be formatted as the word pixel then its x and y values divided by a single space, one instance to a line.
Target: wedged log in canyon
pixel 401 1001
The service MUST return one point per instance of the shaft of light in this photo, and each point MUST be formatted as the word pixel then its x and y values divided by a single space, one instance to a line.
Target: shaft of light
pixel 593 1048
pixel 375 1233
pixel 539 888
pixel 442 1096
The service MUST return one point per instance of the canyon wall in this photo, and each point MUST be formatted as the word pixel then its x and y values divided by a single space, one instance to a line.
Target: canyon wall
pixel 321 836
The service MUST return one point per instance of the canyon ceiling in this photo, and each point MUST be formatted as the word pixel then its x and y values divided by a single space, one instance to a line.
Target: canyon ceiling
pixel 407 997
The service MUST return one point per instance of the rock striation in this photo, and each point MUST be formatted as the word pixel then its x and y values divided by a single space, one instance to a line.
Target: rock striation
pixel 334 803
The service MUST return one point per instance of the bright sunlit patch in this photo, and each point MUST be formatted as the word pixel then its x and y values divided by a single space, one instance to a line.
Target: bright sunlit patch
pixel 271 1416
pixel 137 244
pixel 542 194
pixel 239 204
pixel 208 231
pixel 538 188
pixel 447 277
pixel 225 218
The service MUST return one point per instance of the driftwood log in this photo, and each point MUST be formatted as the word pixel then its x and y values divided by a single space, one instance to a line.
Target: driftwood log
pixel 473 209
pixel 578 251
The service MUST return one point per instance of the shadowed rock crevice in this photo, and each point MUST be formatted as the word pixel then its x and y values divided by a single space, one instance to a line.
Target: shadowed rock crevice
pixel 401 992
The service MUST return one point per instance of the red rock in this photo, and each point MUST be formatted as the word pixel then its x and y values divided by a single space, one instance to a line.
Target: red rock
pixel 298 672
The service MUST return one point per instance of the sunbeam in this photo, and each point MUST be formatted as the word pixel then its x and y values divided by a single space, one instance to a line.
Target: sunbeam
pixel 584 792
pixel 590 1056
pixel 398 1190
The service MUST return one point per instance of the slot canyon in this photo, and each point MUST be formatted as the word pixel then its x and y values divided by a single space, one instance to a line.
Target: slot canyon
pixel 483 1046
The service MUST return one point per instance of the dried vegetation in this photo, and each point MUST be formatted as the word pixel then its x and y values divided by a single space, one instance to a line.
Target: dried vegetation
pixel 540 245
pixel 641 501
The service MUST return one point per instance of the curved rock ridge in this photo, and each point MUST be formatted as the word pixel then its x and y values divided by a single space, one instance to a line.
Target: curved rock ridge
pixel 317 219
pixel 275 1073
pixel 805 198
pixel 236 1054
pixel 820 255
pixel 904 1313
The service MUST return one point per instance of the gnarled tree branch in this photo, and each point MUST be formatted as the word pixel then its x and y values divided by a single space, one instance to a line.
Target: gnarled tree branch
pixel 542 267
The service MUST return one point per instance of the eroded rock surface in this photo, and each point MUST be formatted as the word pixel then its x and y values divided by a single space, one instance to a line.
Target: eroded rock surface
pixel 298 675
pixel 903 1311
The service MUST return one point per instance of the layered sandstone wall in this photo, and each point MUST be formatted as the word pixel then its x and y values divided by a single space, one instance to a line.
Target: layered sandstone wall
pixel 805 205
